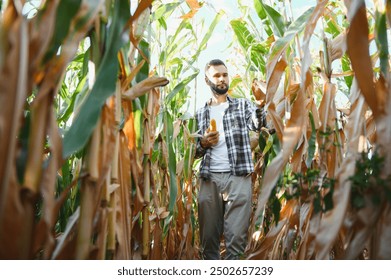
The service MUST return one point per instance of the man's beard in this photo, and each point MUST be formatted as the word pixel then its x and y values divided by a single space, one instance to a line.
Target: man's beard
pixel 218 90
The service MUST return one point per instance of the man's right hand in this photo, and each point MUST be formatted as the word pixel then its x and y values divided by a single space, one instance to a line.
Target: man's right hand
pixel 210 139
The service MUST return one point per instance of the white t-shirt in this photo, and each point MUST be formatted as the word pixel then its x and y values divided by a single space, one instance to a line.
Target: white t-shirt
pixel 219 153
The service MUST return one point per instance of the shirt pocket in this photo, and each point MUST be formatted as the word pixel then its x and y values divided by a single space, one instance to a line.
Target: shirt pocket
pixel 237 120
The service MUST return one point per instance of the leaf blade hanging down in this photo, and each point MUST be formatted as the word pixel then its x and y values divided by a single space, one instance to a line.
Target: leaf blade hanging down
pixel 80 131
pixel 358 51
pixel 144 86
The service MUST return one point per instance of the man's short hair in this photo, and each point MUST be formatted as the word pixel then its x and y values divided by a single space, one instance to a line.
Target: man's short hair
pixel 214 62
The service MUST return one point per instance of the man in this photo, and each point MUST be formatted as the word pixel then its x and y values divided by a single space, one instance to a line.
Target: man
pixel 224 201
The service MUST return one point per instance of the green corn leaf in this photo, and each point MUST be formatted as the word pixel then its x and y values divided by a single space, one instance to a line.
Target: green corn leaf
pixel 276 20
pixel 171 42
pixel 168 121
pixel 81 87
pixel 258 5
pixel 282 43
pixel 269 144
pixel 257 53
pixel 163 23
pixel 162 57
pixel 347 66
pixel 180 87
pixel 244 36
pixel 332 26
pixel 66 11
pixel 381 41
pixel 249 44
pixel 211 28
pixel 84 123
pixel 165 10
pixel 235 81
pixel 189 152
pixel 265 142
pixel 205 39
pixel 144 71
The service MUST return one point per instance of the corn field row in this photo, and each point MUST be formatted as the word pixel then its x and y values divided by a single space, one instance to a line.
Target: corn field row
pixel 97 143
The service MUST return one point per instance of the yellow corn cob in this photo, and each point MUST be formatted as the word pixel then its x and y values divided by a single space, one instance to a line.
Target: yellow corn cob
pixel 212 126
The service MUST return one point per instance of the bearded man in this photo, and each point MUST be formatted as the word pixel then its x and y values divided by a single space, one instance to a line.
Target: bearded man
pixel 224 199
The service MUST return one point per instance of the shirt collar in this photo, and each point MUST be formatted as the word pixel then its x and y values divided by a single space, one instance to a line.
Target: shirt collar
pixel 229 99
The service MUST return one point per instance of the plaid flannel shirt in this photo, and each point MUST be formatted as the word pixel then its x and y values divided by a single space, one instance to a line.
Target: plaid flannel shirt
pixel 240 117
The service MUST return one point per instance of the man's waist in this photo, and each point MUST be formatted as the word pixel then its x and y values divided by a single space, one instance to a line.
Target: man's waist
pixel 220 171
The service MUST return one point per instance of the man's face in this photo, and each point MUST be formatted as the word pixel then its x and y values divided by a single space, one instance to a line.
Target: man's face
pixel 217 79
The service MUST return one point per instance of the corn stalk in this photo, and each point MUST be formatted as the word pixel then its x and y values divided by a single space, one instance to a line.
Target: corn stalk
pixel 311 189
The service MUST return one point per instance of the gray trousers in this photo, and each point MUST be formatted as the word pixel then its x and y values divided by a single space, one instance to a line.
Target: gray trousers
pixel 224 207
